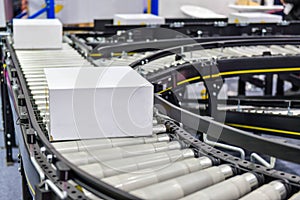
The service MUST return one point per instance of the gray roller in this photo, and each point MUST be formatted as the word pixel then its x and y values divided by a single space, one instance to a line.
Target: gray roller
pixel 295 196
pixel 185 185
pixel 233 188
pixel 40 83
pixel 143 178
pixel 154 122
pixel 160 128
pixel 34 76
pixel 83 145
pixel 114 167
pixel 38 79
pixel 275 190
pixel 93 156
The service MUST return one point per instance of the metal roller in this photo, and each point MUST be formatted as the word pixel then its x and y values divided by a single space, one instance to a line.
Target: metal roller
pixel 34 65
pixel 93 156
pixel 161 128
pixel 32 80
pixel 49 59
pixel 114 167
pixel 82 145
pixel 228 52
pixel 295 196
pixel 40 68
pixel 45 88
pixel 41 102
pixel 40 97
pixel 34 76
pixel 281 49
pixel 293 48
pixel 143 178
pixel 275 190
pixel 40 83
pixel 185 185
pixel 233 188
pixel 33 73
pixel 38 92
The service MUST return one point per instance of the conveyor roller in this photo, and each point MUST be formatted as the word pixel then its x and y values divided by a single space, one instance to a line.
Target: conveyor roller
pixel 89 157
pixel 275 190
pixel 185 185
pixel 114 167
pixel 232 188
pixel 82 145
pixel 143 178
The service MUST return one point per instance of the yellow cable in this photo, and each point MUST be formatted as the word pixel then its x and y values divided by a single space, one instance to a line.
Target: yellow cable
pixel 29 184
pixel 189 80
pixel 95 54
pixel 170 88
pixel 252 71
pixel 264 129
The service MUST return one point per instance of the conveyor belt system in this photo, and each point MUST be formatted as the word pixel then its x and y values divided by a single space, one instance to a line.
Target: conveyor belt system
pixel 167 165
pixel 175 68
pixel 171 164
pixel 224 53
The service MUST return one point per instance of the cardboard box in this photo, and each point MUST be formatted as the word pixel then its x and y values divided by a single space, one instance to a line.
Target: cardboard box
pixel 137 19
pixel 37 34
pixel 94 102
pixel 249 17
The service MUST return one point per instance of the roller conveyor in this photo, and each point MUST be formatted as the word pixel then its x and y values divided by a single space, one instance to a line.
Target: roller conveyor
pixel 221 53
pixel 33 65
pixel 82 145
pixel 233 188
pixel 273 190
pixel 185 185
pixel 149 176
pixel 224 53
pixel 158 167
pixel 89 157
pixel 158 160
pixel 263 110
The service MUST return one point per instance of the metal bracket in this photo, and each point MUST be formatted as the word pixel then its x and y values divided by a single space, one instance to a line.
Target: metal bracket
pixel 46 193
pixel 224 146
pixel 255 156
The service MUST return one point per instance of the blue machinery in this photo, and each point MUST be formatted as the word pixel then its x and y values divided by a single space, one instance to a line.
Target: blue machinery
pixel 49 9
pixel 153 7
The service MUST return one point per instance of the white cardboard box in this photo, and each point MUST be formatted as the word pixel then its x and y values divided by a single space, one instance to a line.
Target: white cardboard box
pixel 253 17
pixel 137 19
pixel 94 102
pixel 37 34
